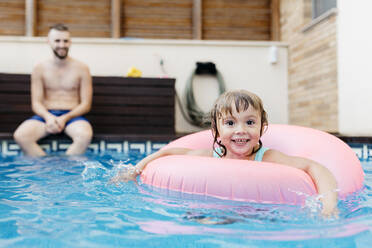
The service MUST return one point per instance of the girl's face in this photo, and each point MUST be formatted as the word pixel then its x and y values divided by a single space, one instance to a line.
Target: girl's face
pixel 240 132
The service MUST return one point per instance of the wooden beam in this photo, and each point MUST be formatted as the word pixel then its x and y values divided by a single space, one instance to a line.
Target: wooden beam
pixel 31 17
pixel 115 18
pixel 275 20
pixel 197 20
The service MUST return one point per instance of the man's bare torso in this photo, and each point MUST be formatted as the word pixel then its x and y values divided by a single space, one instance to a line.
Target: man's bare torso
pixel 61 84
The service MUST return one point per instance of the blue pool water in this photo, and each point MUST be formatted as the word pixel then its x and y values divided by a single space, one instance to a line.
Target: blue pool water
pixel 60 201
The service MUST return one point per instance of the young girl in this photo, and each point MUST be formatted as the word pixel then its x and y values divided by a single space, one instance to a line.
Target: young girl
pixel 238 121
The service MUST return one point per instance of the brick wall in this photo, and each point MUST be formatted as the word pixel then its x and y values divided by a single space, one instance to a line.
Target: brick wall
pixel 312 65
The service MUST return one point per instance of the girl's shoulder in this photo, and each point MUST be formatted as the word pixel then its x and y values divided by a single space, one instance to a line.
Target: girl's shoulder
pixel 260 153
pixel 272 155
pixel 278 157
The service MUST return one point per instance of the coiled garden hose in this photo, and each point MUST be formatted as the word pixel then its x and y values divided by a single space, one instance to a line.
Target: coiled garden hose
pixel 194 113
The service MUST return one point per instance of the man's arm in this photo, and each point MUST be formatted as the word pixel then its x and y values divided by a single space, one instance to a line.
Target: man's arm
pixel 37 93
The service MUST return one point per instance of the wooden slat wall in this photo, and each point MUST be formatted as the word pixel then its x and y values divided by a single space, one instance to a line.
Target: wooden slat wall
pixel 164 19
pixel 133 105
pixel 236 19
pixel 120 105
pixel 85 18
pixel 167 19
pixel 12 17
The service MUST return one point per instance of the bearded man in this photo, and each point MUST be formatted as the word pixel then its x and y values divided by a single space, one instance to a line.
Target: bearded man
pixel 61 92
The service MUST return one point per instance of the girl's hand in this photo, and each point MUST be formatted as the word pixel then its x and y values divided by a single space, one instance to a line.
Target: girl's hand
pixel 128 175
pixel 330 209
pixel 329 213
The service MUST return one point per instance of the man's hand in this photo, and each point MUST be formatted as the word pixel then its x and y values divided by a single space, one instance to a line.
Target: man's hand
pixel 52 125
pixel 61 121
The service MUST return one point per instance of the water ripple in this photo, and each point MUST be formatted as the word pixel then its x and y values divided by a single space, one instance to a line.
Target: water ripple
pixel 60 201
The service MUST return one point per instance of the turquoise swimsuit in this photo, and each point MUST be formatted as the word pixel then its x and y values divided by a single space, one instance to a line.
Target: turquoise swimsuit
pixel 258 157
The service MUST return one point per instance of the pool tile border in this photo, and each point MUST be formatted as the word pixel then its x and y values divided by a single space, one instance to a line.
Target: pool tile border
pixel 10 148
pixel 362 151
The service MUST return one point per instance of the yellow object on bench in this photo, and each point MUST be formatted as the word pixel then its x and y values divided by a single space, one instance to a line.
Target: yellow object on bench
pixel 134 72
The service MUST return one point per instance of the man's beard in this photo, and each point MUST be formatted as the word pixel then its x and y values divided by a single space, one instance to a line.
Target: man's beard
pixel 60 56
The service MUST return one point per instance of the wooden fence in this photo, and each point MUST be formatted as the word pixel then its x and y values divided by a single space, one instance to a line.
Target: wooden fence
pixel 164 19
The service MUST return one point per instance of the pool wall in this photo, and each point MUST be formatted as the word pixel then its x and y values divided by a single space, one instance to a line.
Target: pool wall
pixel 8 147
pixel 363 151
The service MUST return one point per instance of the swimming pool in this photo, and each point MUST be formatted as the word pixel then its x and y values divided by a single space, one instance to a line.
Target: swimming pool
pixel 60 201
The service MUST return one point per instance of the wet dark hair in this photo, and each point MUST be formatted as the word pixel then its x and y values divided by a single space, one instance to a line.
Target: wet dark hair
pixel 59 27
pixel 242 99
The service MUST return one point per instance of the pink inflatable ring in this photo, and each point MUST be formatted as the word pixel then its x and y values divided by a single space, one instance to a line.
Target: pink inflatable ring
pixel 252 181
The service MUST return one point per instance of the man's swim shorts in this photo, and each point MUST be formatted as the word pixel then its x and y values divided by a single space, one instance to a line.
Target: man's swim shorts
pixel 59 112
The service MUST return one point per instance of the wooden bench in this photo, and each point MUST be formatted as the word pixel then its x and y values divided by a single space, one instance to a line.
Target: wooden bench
pixel 122 107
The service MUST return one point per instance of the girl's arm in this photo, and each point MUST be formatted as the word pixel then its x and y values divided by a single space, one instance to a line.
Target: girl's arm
pixel 133 172
pixel 324 180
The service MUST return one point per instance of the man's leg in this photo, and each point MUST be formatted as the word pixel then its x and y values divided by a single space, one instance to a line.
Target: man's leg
pixel 27 135
pixel 81 133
